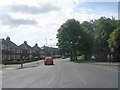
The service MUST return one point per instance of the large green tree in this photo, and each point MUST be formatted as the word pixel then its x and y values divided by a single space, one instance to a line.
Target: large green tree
pixel 103 27
pixel 70 37
pixel 88 38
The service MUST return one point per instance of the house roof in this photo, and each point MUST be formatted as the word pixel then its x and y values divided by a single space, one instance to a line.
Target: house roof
pixel 3 41
pixel 10 43
pixel 25 46
pixel 36 47
pixel 50 48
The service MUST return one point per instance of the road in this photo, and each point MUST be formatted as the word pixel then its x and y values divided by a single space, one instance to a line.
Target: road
pixel 64 74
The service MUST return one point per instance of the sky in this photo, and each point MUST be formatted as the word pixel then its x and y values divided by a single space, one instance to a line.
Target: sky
pixel 37 21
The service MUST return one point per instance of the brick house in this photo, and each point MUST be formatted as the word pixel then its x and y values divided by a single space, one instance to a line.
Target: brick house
pixel 50 51
pixel 0 50
pixel 10 51
pixel 39 53
pixel 27 51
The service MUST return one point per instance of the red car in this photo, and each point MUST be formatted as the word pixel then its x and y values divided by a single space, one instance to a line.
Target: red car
pixel 48 61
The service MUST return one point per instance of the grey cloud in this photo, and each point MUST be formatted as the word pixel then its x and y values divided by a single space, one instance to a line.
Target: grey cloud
pixel 8 20
pixel 33 9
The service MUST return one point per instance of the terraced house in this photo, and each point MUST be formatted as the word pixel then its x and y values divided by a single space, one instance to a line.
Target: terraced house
pixel 10 51
pixel 39 53
pixel 50 51
pixel 27 51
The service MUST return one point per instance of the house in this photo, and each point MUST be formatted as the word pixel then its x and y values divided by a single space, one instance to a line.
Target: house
pixel 50 51
pixel 13 50
pixel 10 51
pixel 39 53
pixel 27 51
pixel 0 50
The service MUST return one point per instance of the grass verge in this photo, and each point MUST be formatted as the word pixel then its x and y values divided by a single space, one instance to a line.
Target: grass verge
pixel 2 67
pixel 81 61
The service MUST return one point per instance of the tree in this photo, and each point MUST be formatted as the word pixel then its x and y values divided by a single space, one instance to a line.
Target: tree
pixel 88 38
pixel 114 42
pixel 103 27
pixel 114 38
pixel 69 37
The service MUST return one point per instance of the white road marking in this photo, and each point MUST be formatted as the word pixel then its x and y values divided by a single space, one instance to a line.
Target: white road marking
pixel 50 80
pixel 113 70
pixel 108 68
pixel 84 82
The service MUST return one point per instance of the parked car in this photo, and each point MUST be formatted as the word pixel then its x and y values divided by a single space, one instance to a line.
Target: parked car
pixel 48 61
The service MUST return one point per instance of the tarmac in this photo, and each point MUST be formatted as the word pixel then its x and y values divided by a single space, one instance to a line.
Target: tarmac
pixel 107 63
pixel 32 64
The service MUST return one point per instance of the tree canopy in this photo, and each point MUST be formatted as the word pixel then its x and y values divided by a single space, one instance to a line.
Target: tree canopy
pixel 89 37
pixel 114 38
pixel 70 36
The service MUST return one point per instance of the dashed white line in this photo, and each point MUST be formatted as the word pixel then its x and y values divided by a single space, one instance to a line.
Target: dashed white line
pixel 113 70
pixel 50 80
pixel 84 82
pixel 109 69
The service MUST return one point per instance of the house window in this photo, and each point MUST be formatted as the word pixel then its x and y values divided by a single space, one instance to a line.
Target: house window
pixel 4 47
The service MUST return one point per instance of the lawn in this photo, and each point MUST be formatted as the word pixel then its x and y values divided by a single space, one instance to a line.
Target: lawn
pixel 2 66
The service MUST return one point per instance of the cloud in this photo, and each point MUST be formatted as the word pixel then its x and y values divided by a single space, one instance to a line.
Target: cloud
pixel 10 21
pixel 41 8
pixel 34 21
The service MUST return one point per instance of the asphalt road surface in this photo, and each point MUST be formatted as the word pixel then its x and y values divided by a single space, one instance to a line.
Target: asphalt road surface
pixel 64 74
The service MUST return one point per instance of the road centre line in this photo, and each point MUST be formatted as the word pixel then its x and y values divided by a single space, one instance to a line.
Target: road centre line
pixel 50 80
pixel 84 82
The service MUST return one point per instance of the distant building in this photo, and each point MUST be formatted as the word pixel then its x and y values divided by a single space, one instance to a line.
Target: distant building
pixel 50 51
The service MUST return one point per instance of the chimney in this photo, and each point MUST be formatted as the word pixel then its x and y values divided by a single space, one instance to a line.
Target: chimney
pixel 36 44
pixel 25 42
pixel 8 38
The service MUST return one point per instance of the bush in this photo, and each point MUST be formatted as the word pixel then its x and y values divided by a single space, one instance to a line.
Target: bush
pixel 81 57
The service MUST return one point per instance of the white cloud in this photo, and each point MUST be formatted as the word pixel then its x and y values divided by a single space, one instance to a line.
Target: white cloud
pixel 46 23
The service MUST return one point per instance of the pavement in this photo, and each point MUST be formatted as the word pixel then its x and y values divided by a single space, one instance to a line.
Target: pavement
pixel 64 74
pixel 18 66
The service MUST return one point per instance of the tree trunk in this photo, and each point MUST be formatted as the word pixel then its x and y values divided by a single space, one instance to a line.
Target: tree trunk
pixel 21 64
pixel 71 56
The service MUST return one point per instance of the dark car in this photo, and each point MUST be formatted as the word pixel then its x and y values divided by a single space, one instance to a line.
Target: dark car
pixel 48 61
